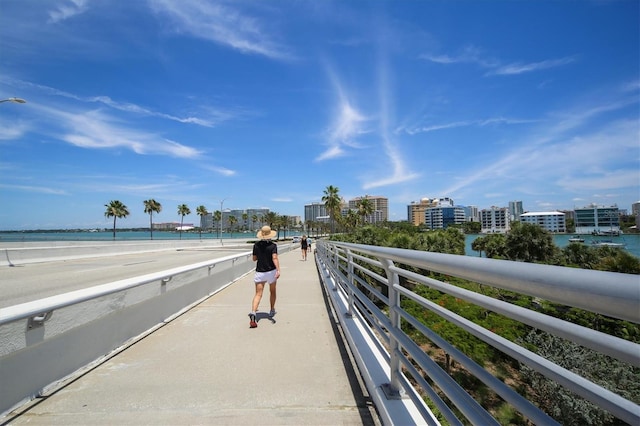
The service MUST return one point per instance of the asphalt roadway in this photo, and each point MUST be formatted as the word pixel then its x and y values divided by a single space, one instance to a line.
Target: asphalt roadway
pixel 32 281
pixel 207 367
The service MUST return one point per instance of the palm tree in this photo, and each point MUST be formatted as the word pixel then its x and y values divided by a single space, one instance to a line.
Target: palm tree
pixel 332 201
pixel 270 219
pixel 254 219
pixel 151 206
pixel 232 221
pixel 352 219
pixel 245 216
pixel 217 217
pixel 116 209
pixel 202 212
pixel 183 210
pixel 365 208
pixel 284 221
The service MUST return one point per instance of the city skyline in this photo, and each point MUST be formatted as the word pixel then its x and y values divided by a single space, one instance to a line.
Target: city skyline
pixel 264 105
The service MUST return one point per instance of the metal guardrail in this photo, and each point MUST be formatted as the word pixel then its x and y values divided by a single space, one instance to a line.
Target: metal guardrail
pixel 368 276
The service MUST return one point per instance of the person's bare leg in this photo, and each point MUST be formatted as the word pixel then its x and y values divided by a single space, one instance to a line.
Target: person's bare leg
pixel 258 296
pixel 272 296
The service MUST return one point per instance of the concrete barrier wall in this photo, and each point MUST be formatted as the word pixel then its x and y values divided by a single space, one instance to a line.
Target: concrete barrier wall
pixel 77 335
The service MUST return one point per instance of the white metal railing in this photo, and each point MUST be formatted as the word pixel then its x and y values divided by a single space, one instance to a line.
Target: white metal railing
pixel 44 341
pixel 354 274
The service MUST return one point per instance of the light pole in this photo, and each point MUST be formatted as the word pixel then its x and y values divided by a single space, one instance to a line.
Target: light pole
pixel 15 100
pixel 221 217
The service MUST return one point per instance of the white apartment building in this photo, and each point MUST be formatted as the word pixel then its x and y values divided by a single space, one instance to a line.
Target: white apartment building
pixel 495 220
pixel 550 221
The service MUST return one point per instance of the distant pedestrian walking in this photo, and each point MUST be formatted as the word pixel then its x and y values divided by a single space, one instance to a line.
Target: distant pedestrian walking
pixel 304 246
pixel 265 252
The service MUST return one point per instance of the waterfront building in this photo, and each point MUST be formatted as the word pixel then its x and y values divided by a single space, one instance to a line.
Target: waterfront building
pixel 380 208
pixel 595 219
pixel 415 210
pixel 242 224
pixel 635 212
pixel 550 221
pixel 172 226
pixel 515 210
pixel 315 212
pixel 206 221
pixel 442 216
pixel 495 220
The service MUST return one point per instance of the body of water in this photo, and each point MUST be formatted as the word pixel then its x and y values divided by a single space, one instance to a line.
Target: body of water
pixel 631 241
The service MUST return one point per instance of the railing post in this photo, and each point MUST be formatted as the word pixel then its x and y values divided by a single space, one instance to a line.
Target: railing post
pixel 351 279
pixel 394 389
pixel 336 267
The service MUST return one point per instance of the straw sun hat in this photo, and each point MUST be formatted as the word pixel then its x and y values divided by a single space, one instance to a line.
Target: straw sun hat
pixel 266 233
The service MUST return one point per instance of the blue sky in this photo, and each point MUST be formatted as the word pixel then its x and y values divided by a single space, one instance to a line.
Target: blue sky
pixel 266 103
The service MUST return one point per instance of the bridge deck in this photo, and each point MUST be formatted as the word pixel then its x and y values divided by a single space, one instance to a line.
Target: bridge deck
pixel 208 367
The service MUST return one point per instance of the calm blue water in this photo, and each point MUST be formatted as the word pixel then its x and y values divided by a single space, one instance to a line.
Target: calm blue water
pixel 632 241
pixel 120 236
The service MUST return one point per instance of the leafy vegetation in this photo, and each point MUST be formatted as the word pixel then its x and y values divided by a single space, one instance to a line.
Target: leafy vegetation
pixel 529 243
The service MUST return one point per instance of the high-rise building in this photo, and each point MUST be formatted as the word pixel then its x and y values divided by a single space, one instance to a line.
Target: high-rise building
pixel 515 210
pixel 550 221
pixel 380 208
pixel 495 220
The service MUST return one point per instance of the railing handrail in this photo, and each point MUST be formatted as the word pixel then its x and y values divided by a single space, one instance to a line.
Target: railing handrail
pixel 47 304
pixel 608 293
pixel 581 288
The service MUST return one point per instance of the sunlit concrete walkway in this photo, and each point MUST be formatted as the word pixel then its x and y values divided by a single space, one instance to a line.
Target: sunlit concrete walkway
pixel 208 367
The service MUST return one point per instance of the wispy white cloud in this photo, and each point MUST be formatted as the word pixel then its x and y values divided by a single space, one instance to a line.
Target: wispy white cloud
pixel 215 116
pixel 474 55
pixel 468 55
pixel 96 130
pixel 12 130
pixel 67 9
pixel 347 124
pixel 456 124
pixel 396 168
pixel 37 189
pixel 221 23
pixel 516 68
pixel 569 153
pixel 221 170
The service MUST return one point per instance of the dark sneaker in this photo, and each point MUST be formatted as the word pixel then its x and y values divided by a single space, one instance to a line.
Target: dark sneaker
pixel 272 313
pixel 252 321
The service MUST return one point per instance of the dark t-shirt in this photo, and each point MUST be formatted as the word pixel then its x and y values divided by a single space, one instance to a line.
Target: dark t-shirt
pixel 264 250
pixel 303 243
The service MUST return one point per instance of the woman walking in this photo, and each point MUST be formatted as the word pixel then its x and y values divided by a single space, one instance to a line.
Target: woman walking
pixel 303 246
pixel 265 252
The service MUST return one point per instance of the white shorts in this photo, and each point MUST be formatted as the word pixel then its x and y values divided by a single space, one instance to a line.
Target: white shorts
pixel 268 277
